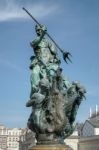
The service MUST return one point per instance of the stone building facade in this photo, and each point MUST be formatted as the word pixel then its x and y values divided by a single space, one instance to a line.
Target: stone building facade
pixel 13 138
pixel 9 138
pixel 3 142
pixel 27 140
pixel 89 139
pixel 89 143
pixel 3 137
pixel 73 140
pixel 91 127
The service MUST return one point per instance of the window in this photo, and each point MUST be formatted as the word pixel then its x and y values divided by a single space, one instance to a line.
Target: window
pixel 17 139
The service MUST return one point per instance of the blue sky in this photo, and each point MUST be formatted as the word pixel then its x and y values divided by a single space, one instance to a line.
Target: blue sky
pixel 74 24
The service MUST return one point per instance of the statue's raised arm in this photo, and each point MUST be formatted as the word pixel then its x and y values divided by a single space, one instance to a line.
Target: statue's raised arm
pixel 65 54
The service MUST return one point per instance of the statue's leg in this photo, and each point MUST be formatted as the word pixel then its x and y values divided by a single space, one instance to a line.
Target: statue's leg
pixel 34 79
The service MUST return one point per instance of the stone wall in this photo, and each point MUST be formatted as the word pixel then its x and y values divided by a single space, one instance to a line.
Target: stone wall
pixel 88 129
pixel 89 143
pixel 72 142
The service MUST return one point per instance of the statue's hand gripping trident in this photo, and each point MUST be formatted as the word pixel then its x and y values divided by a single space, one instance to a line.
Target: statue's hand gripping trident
pixel 65 54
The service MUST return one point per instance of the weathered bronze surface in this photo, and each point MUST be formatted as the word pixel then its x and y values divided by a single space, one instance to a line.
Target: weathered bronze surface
pixel 54 99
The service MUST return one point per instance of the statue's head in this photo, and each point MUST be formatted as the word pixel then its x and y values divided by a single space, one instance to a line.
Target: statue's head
pixel 40 29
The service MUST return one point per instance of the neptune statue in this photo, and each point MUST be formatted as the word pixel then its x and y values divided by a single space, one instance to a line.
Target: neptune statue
pixel 54 100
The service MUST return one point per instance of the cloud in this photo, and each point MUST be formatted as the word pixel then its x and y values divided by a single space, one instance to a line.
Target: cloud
pixel 13 10
pixel 10 65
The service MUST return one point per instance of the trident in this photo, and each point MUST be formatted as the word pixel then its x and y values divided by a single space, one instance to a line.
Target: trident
pixel 65 54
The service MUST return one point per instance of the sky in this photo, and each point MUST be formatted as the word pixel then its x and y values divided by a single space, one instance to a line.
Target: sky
pixel 74 25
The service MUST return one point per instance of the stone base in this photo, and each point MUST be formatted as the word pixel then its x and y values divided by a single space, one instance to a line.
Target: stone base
pixel 51 147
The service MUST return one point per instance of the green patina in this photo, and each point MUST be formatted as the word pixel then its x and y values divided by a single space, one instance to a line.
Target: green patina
pixel 54 99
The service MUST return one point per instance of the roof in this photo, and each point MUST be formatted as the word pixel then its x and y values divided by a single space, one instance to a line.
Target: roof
pixel 94 122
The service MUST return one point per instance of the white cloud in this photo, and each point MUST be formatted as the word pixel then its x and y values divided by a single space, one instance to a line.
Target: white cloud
pixel 12 10
pixel 10 65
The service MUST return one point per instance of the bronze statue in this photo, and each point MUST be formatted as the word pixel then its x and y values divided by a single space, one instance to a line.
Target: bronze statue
pixel 54 100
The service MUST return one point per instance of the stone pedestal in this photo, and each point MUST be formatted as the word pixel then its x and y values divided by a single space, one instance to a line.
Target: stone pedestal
pixel 51 147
